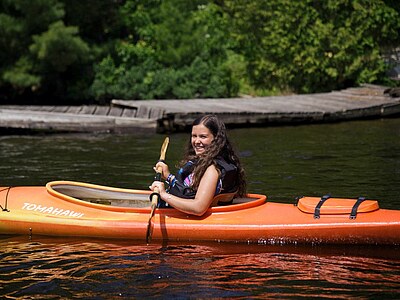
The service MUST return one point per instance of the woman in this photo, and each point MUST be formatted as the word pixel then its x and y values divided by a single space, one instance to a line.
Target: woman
pixel 210 167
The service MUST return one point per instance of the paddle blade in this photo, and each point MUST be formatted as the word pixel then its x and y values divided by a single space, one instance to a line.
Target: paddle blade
pixel 149 227
pixel 164 148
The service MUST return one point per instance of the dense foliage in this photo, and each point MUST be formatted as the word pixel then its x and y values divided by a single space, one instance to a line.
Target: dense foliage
pixel 96 50
pixel 309 46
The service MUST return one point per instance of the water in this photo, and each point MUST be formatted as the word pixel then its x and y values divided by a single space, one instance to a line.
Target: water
pixel 346 160
pixel 85 269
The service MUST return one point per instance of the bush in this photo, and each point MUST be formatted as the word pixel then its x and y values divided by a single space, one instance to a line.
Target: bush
pixel 164 57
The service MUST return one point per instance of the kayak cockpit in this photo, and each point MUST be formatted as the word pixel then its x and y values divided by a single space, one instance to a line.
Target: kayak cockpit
pixel 98 194
pixel 92 194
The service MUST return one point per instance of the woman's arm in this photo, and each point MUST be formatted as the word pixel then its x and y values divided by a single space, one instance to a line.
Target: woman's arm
pixel 204 195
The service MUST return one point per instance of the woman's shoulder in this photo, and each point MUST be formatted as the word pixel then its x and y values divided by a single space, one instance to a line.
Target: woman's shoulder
pixel 212 168
pixel 212 171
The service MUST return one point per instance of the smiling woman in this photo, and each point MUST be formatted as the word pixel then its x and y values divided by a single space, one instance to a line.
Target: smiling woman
pixel 201 138
pixel 210 167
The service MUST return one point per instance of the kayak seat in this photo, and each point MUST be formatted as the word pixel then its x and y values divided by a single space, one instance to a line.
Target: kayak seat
pixel 335 206
pixel 223 199
pixel 229 199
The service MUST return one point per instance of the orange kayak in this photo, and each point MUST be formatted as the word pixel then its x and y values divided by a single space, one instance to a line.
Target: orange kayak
pixel 66 208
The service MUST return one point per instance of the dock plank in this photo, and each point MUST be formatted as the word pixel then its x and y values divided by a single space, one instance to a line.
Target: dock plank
pixel 115 111
pixel 87 109
pixel 128 112
pixel 102 110
pixel 73 109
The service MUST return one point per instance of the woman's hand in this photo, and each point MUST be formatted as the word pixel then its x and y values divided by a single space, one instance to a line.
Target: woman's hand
pixel 165 170
pixel 158 186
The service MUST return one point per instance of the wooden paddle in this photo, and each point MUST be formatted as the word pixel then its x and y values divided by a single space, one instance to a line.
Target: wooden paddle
pixel 155 197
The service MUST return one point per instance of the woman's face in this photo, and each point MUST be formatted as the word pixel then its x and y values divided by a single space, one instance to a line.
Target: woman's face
pixel 201 138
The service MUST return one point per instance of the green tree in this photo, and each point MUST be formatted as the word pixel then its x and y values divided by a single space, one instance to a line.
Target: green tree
pixel 310 46
pixel 40 55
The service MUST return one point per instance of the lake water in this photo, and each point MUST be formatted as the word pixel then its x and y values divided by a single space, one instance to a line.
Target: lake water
pixel 345 160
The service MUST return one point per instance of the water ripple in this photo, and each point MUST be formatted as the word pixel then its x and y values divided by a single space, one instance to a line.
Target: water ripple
pixel 80 269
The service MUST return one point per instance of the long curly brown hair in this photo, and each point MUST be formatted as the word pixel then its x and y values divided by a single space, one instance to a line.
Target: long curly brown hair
pixel 220 146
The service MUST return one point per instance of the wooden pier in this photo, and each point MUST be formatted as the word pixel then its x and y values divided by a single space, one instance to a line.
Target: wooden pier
pixel 129 116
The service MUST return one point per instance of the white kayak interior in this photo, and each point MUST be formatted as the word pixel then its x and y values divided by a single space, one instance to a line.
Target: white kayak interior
pixel 99 195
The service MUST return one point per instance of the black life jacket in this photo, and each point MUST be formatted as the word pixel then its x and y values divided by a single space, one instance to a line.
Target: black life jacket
pixel 228 178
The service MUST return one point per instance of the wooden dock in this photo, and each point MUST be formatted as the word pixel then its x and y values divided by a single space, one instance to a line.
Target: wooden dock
pixel 86 118
pixel 126 116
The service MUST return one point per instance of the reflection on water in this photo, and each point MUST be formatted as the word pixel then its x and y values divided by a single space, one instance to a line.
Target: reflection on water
pixel 346 160
pixel 48 268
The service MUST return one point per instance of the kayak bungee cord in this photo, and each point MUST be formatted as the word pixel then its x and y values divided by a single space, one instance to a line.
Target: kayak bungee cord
pixel 8 190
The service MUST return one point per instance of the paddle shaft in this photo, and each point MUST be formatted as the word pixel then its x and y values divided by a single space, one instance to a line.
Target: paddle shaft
pixel 155 197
